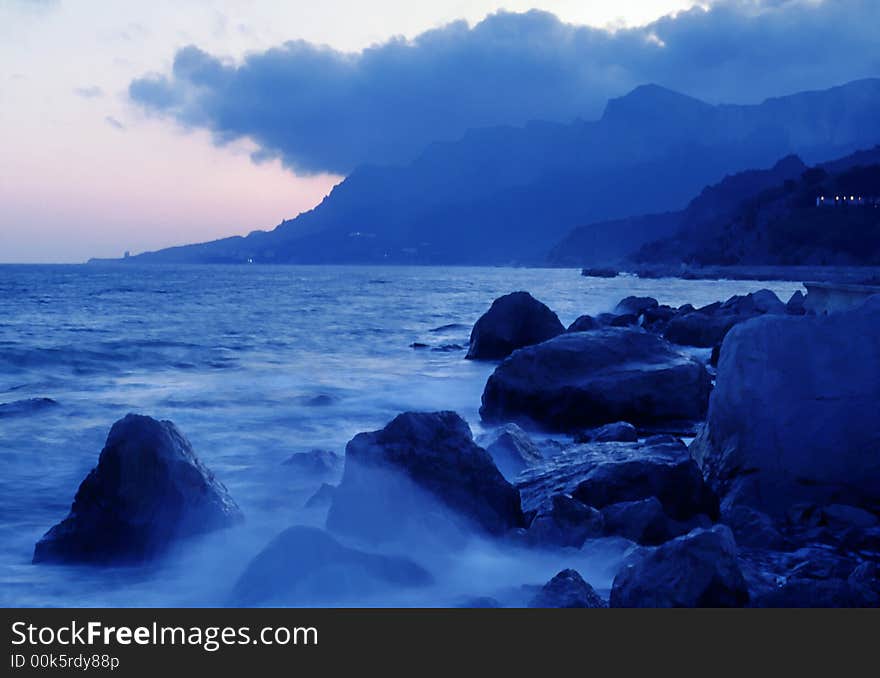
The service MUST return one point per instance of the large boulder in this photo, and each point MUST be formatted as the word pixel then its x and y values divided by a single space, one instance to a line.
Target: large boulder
pixel 511 449
pixel 587 379
pixel 148 490
pixel 421 466
pixel 793 417
pixel 698 569
pixel 513 321
pixel 566 590
pixel 306 566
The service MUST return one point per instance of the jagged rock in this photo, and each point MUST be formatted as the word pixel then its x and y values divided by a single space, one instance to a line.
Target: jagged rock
pixel 563 473
pixel 567 589
pixel 421 465
pixel 663 470
pixel 513 321
pixel 635 305
pixel 793 417
pixel 306 566
pixel 148 490
pixel 584 323
pixel 619 431
pixel 511 449
pixel 566 522
pixel 586 379
pixel 698 569
pixel 315 462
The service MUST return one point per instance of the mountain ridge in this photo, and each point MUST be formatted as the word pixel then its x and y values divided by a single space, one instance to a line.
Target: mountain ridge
pixel 505 195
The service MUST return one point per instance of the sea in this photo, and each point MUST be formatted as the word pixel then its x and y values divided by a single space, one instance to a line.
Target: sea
pixel 254 364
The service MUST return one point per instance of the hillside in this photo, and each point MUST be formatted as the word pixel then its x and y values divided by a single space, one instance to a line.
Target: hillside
pixel 783 225
pixel 505 195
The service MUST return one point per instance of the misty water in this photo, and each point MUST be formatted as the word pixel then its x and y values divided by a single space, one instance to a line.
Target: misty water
pixel 254 364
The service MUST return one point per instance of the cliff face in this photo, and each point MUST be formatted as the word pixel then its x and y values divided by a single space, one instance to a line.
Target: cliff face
pixel 506 195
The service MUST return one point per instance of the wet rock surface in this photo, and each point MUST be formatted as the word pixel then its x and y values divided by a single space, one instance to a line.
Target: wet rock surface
pixel 587 379
pixel 513 321
pixel 148 490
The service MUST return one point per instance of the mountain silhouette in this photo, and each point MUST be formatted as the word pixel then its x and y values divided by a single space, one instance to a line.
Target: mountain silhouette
pixel 506 195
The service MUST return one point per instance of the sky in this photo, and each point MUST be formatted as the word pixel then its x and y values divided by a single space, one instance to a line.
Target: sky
pixel 137 125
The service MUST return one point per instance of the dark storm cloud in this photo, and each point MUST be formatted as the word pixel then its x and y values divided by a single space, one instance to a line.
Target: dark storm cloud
pixel 320 109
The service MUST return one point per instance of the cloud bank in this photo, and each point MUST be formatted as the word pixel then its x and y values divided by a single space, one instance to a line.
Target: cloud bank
pixel 319 109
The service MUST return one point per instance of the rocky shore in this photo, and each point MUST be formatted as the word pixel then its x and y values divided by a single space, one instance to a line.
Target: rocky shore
pixel 775 502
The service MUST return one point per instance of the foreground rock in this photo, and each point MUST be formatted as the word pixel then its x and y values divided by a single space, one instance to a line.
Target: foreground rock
pixel 646 492
pixel 513 321
pixel 663 470
pixel 793 417
pixel 421 467
pixel 586 379
pixel 148 490
pixel 567 589
pixel 697 570
pixel 305 565
pixel 512 450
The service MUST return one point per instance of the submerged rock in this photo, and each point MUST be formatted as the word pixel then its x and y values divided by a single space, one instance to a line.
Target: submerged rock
pixel 421 467
pixel 793 417
pixel 566 590
pixel 696 570
pixel 586 379
pixel 148 490
pixel 513 321
pixel 512 450
pixel 305 565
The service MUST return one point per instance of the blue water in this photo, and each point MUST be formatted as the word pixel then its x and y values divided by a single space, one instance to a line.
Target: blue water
pixel 253 364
